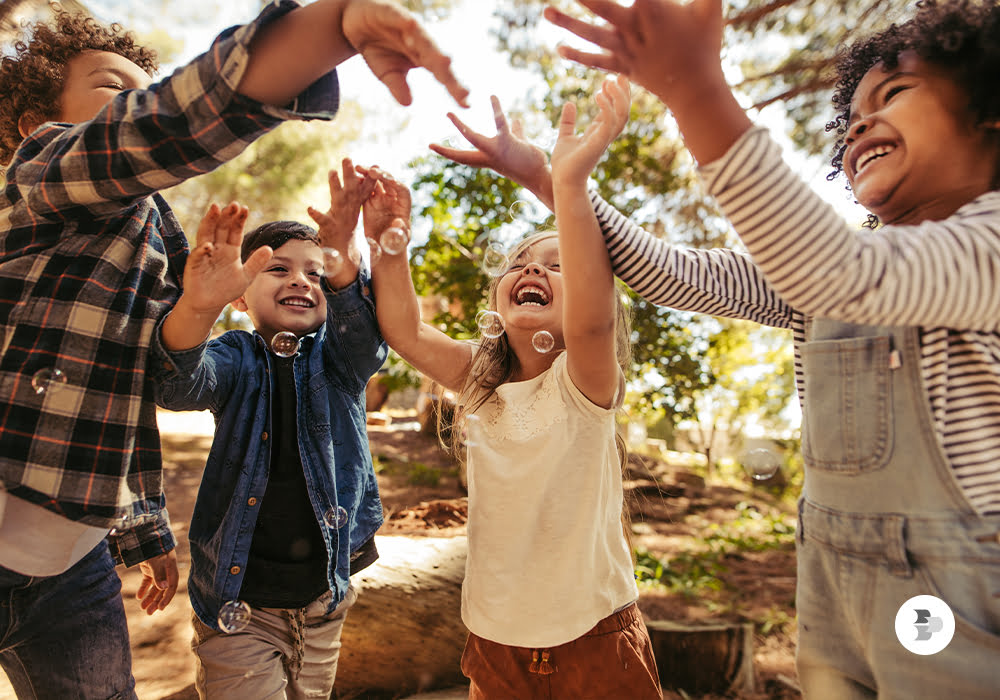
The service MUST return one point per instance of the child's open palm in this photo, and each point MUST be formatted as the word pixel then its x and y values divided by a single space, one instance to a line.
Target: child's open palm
pixel 663 45
pixel 214 274
pixel 508 153
pixel 575 155
pixel 336 226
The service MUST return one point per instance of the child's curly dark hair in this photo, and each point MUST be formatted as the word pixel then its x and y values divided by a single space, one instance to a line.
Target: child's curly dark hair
pixel 962 36
pixel 31 80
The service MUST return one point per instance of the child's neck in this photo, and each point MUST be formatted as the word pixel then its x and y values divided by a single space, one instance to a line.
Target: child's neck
pixel 530 362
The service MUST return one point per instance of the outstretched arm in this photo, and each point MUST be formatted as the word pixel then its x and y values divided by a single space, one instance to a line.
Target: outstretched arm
pixel 589 315
pixel 672 49
pixel 294 51
pixel 508 153
pixel 213 276
pixel 431 352
pixel 337 224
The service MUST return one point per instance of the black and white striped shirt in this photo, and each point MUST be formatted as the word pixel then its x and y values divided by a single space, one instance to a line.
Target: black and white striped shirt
pixel 938 275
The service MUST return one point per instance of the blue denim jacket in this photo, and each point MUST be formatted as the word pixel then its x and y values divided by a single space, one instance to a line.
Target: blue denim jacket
pixel 231 375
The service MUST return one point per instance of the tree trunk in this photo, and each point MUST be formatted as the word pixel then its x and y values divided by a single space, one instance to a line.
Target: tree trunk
pixel 702 659
pixel 405 633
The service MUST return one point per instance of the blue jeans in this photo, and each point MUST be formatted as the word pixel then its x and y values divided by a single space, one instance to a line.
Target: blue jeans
pixel 65 637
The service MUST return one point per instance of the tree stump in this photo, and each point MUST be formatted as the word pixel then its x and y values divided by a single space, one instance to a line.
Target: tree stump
pixel 702 659
pixel 405 633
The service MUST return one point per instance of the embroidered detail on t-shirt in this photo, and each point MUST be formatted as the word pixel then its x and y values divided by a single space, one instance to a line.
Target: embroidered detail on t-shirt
pixel 522 420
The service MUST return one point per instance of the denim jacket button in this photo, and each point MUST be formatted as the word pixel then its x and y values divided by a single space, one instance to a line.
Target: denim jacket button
pixel 263 436
pixel 251 501
pixel 234 570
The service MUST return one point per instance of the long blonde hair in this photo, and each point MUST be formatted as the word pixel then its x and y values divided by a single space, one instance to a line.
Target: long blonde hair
pixel 494 363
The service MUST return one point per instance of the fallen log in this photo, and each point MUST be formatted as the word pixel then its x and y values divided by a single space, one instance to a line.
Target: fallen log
pixel 405 633
pixel 702 659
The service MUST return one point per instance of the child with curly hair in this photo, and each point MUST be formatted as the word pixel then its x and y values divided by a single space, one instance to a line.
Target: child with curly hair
pixel 91 258
pixel 896 330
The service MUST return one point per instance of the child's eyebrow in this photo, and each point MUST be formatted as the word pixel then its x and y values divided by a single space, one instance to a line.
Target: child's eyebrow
pixel 882 83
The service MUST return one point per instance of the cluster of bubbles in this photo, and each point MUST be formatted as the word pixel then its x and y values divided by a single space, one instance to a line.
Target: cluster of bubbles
pixel 44 379
pixel 234 616
pixel 285 344
pixel 761 463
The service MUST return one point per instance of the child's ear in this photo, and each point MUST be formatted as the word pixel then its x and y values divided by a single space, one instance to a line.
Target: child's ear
pixel 28 122
pixel 239 304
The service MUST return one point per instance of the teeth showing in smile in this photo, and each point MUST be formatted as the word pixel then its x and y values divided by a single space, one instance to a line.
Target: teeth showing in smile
pixel 297 301
pixel 530 295
pixel 873 154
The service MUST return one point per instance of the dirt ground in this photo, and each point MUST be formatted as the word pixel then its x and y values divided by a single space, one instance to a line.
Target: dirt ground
pixel 421 494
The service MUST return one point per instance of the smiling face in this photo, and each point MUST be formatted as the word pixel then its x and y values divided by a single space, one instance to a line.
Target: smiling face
pixel 286 295
pixel 92 79
pixel 913 150
pixel 529 294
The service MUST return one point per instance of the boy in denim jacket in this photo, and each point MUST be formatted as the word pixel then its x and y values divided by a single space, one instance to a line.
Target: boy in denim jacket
pixel 289 504
pixel 90 260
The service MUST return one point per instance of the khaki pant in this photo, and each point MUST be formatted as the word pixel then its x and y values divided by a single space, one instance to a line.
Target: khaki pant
pixel 281 654
pixel 613 660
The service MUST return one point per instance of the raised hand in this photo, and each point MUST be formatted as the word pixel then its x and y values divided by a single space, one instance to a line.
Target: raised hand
pixel 575 155
pixel 389 205
pixel 664 45
pixel 672 49
pixel 508 153
pixel 214 274
pixel 393 42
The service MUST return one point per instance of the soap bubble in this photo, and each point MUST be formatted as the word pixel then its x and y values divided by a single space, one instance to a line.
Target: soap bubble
pixel 471 430
pixel 285 344
pixel 234 616
pixel 761 463
pixel 336 517
pixel 543 342
pixel 375 250
pixel 43 379
pixel 494 260
pixel 490 324
pixel 394 240
pixel 518 208
pixel 333 262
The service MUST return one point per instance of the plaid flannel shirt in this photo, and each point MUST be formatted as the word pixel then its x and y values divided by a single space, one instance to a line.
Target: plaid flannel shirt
pixel 90 260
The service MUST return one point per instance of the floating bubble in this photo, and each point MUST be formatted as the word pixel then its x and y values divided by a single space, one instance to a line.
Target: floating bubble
pixel 518 208
pixel 636 434
pixel 234 616
pixel 375 250
pixel 494 260
pixel 285 344
pixel 490 324
pixel 761 463
pixel 471 430
pixel 543 342
pixel 336 517
pixel 394 240
pixel 45 378
pixel 333 262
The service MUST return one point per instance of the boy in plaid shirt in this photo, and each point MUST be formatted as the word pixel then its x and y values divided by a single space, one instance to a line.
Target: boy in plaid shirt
pixel 91 258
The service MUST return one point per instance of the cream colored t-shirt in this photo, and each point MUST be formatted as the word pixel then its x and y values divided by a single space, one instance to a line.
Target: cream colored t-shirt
pixel 547 556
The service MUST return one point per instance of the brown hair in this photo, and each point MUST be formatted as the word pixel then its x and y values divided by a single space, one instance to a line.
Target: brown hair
pixel 31 81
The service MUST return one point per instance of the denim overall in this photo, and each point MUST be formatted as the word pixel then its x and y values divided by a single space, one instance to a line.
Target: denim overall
pixel 882 519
